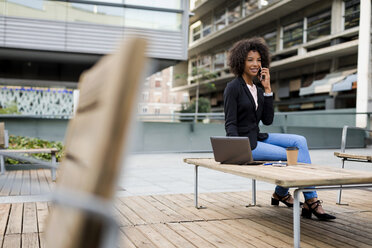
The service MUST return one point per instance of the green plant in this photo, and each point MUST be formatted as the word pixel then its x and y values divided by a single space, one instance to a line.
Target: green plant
pixel 11 108
pixel 204 106
pixel 20 142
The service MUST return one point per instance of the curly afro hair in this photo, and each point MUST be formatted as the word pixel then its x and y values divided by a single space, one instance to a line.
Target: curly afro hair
pixel 238 54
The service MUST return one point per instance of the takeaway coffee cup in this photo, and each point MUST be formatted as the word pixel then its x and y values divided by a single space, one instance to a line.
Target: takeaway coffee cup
pixel 292 154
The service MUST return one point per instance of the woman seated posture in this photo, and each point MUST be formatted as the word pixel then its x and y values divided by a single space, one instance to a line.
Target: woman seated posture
pixel 246 105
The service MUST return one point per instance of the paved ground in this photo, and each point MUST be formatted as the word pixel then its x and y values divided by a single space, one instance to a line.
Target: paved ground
pixel 149 174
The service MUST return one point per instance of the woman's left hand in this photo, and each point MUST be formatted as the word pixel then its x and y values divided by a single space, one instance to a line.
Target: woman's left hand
pixel 265 79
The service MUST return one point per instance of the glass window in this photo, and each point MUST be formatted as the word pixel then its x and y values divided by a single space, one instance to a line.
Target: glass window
pixel 35 4
pixel 167 4
pixel 220 19
pixel 352 12
pixel 219 61
pixel 159 20
pixel 196 32
pixel 270 39
pixel 207 26
pixel 90 13
pixel 37 9
pixel 293 34
pixel 194 68
pixel 204 64
pixel 157 111
pixel 144 110
pixel 234 12
pixel 157 96
pixel 157 84
pixel 250 6
pixel 145 96
pixel 319 25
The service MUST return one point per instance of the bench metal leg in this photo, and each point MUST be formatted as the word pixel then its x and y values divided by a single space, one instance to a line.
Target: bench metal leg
pixel 53 170
pixel 196 189
pixel 296 219
pixel 2 164
pixel 340 191
pixel 253 194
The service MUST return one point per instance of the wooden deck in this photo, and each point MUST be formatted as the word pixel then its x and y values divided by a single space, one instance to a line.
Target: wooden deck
pixel 172 221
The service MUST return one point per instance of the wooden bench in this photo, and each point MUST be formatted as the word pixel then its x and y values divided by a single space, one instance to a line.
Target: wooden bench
pixel 298 177
pixel 15 154
pixel 350 156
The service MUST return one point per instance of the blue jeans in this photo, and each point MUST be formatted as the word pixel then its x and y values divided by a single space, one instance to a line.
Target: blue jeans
pixel 273 148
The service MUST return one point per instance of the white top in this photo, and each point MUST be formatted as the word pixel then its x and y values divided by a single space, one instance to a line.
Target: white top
pixel 253 90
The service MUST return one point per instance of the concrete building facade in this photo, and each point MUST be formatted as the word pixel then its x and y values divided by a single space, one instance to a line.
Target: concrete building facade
pixel 50 42
pixel 156 97
pixel 313 43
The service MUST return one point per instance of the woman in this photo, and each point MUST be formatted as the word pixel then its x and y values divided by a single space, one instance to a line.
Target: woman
pixel 246 105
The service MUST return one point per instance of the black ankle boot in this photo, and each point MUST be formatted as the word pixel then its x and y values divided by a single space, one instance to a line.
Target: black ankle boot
pixel 306 213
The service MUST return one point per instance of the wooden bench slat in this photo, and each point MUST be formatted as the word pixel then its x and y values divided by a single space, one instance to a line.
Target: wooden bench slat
pixel 353 156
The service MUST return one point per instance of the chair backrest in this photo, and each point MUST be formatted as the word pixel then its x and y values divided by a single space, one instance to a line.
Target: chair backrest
pixel 95 141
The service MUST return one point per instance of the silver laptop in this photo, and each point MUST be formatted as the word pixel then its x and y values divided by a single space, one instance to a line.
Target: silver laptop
pixel 232 150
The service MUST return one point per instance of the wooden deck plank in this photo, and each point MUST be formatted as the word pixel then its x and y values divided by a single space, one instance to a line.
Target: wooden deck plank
pixel 211 227
pixel 155 237
pixel 137 214
pixel 26 183
pixel 210 237
pixel 35 183
pixel 140 211
pixel 17 184
pixel 124 241
pixel 7 187
pixel 168 211
pixel 12 241
pixel 29 218
pixel 172 236
pixel 15 219
pixel 189 235
pixel 180 209
pixel 4 215
pixel 30 240
pixel 130 214
pixel 42 214
pixel 44 185
pixel 137 237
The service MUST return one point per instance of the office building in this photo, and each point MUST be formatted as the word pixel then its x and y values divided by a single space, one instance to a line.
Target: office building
pixel 313 43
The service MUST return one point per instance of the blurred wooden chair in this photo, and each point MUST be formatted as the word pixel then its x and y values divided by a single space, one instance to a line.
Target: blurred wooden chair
pixel 95 140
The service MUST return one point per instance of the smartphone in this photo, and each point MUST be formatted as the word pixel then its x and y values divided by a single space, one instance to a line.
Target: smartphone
pixel 261 77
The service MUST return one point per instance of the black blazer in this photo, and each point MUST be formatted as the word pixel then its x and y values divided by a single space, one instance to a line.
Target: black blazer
pixel 241 116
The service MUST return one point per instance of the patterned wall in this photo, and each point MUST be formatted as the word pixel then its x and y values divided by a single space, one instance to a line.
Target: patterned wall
pixel 38 101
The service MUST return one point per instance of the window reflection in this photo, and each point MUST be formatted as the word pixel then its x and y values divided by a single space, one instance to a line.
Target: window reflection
pixel 207 26
pixel 319 25
pixel 96 14
pixel 219 61
pixel 270 39
pixel 293 34
pixel 250 6
pixel 233 12
pixel 168 4
pixel 152 19
pixel 35 4
pixel 352 12
pixel 196 32
pixel 37 9
pixel 220 19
